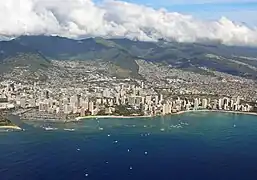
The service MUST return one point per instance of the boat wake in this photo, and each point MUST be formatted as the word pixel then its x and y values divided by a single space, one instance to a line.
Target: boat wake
pixel 49 128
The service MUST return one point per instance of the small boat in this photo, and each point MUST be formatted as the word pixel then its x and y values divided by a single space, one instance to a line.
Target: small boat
pixel 49 128
pixel 68 129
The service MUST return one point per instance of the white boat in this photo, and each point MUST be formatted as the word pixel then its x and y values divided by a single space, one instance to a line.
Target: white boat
pixel 49 128
pixel 69 129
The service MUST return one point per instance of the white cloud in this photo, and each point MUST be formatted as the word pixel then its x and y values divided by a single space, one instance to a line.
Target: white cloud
pixel 205 1
pixel 83 18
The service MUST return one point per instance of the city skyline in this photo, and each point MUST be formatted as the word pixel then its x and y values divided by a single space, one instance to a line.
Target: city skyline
pixel 160 91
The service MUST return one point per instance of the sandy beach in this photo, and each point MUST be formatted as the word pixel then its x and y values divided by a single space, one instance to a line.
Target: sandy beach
pixel 115 117
pixel 220 111
pixel 177 113
pixel 10 127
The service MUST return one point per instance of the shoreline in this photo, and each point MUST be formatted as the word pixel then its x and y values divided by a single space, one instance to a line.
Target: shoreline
pixel 133 117
pixel 177 113
pixel 10 127
pixel 111 117
pixel 220 111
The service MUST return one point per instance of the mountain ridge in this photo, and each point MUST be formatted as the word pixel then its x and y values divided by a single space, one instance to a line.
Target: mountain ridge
pixel 124 53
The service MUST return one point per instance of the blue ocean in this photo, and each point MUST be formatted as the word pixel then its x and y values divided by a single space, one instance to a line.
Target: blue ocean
pixel 190 146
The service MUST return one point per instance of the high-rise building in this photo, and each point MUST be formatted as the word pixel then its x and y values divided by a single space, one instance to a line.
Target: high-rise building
pixel 99 101
pixel 106 93
pixel 235 108
pixel 123 100
pixel 143 100
pixel 67 109
pixel 204 103
pixel 104 101
pixel 164 109
pixel 110 102
pixel 57 110
pixel 184 103
pixel 215 104
pixel 82 112
pixel 142 84
pixel 248 107
pixel 122 92
pixel 156 99
pixel 131 100
pixel 188 106
pixel 161 98
pixel 134 91
pixel 209 100
pixel 50 102
pixel 220 103
pixel 74 109
pixel 74 101
pixel 196 103
pixel 225 107
pixel 169 108
pixel 238 100
pixel 178 101
pixel 46 94
pixel 232 103
pixel 145 107
pixel 65 101
pixel 91 106
pixel 138 100
pixel 226 101
pixel 85 105
pixel 117 100
pixel 148 100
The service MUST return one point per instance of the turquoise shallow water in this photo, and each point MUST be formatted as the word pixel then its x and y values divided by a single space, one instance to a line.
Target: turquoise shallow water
pixel 196 145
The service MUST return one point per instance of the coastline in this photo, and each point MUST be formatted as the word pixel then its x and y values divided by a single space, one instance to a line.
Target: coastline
pixel 10 127
pixel 132 117
pixel 112 117
pixel 177 113
pixel 220 111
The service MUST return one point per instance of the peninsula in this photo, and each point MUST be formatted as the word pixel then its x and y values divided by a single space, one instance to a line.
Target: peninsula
pixel 7 124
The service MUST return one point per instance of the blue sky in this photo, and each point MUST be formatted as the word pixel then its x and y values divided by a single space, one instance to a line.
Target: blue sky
pixel 236 10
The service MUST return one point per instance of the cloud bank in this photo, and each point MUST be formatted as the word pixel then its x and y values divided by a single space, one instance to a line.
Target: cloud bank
pixel 84 18
pixel 206 1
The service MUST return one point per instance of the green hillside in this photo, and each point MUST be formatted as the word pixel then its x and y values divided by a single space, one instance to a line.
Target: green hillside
pixel 16 56
pixel 36 50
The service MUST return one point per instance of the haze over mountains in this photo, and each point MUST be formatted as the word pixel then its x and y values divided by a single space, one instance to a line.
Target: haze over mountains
pixel 37 51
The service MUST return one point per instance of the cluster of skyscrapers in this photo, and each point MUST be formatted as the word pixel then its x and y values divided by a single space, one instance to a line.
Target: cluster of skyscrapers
pixel 135 98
